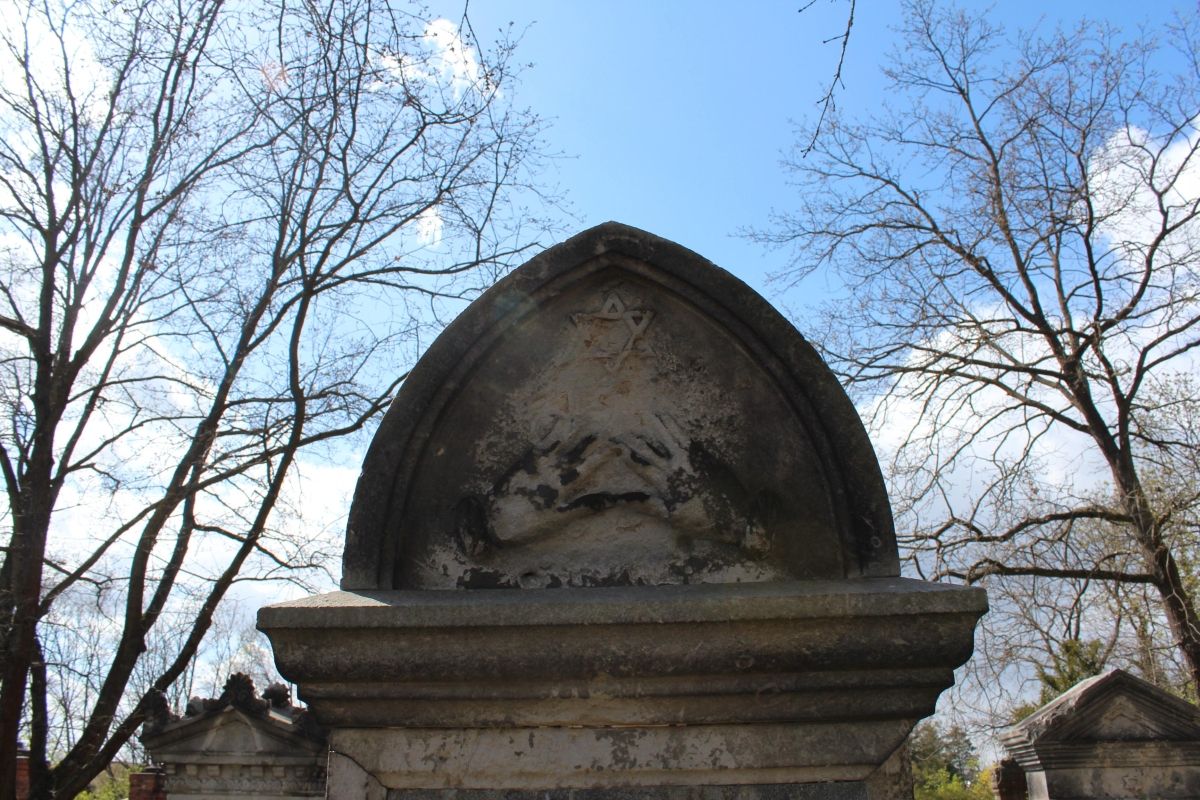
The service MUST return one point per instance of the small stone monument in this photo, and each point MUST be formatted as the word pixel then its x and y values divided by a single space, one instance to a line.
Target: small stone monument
pixel 621 535
pixel 1111 737
pixel 237 745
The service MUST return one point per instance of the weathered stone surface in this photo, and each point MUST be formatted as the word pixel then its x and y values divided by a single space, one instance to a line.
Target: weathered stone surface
pixel 621 534
pixel 701 654
pixel 239 745
pixel 532 758
pixel 721 684
pixel 1111 737
pixel 811 791
pixel 893 779
pixel 618 411
pixel 1008 781
pixel 762 791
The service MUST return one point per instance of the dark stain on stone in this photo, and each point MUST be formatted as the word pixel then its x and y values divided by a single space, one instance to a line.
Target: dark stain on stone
pixel 543 496
pixel 573 456
pixel 527 463
pixel 718 474
pixel 621 578
pixel 693 568
pixel 548 494
pixel 479 578
pixel 680 486
pixel 637 458
pixel 472 528
pixel 598 501
pixel 659 449
pixel 732 505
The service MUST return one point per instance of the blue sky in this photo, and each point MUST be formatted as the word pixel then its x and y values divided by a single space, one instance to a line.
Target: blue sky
pixel 673 115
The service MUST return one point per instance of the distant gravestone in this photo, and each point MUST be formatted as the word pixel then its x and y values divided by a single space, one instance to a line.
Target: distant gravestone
pixel 621 534
pixel 237 745
pixel 1111 737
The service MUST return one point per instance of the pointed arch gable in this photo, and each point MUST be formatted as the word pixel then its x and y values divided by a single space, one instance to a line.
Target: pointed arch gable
pixel 618 410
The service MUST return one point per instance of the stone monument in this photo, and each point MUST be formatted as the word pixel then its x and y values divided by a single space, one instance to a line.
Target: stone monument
pixel 1111 737
pixel 621 534
pixel 237 745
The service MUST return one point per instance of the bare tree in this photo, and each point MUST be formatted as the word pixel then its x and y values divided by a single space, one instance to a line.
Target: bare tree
pixel 216 220
pixel 1018 242
pixel 827 102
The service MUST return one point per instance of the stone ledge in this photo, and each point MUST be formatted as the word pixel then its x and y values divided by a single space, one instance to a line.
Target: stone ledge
pixel 801 599
pixel 702 654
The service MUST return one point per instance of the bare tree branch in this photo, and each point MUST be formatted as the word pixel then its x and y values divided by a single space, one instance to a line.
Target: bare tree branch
pixel 228 219
pixel 1018 241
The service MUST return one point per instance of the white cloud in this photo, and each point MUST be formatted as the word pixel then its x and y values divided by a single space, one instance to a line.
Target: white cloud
pixel 455 61
pixel 51 50
pixel 1130 176
pixel 442 61
pixel 914 434
pixel 429 227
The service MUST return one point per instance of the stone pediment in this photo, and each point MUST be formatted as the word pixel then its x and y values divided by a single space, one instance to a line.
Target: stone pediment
pixel 1111 737
pixel 233 733
pixel 1113 707
pixel 618 411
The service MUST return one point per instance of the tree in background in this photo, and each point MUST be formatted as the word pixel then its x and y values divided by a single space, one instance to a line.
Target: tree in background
pixel 1018 240
pixel 223 226
pixel 111 784
pixel 945 765
pixel 1075 661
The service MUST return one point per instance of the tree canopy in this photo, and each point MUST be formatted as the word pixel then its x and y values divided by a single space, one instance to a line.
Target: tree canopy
pixel 945 765
pixel 224 227
pixel 1017 238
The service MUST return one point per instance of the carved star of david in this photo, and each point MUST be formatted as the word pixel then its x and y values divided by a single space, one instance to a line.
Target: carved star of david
pixel 612 312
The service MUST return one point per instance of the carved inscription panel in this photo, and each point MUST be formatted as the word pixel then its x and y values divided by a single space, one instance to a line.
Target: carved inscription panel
pixel 616 436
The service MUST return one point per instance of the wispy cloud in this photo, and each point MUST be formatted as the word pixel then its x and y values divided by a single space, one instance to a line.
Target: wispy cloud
pixel 1138 185
pixel 455 60
pixel 444 62
pixel 429 227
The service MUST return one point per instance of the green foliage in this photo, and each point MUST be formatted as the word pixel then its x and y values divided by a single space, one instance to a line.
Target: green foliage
pixel 1022 711
pixel 934 749
pixel 945 765
pixel 1076 661
pixel 111 784
pixel 941 785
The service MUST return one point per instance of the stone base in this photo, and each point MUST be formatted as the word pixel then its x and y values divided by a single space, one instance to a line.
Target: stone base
pixel 892 781
pixel 1098 782
pixel 705 688
pixel 782 791
pixel 688 755
pixel 855 790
